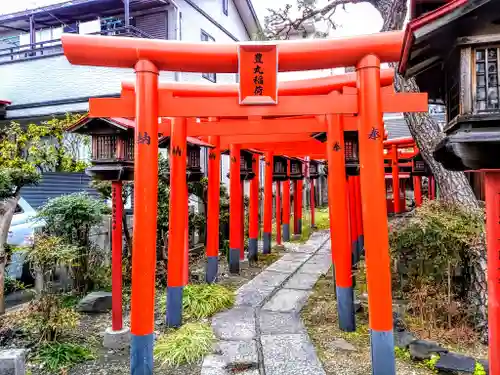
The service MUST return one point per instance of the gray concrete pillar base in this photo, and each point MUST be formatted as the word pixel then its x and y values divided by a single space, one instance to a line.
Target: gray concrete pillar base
pixel 116 339
pixel 13 362
pixel 279 247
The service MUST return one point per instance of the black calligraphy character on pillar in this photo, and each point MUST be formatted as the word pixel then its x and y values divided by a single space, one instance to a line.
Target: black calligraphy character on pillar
pixel 258 58
pixel 259 90
pixel 257 70
pixel 374 134
pixel 144 139
pixel 336 146
pixel 211 156
pixel 258 80
pixel 176 151
pixel 233 159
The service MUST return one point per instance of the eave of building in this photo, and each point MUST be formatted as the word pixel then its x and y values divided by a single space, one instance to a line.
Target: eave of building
pixel 421 29
pixel 71 11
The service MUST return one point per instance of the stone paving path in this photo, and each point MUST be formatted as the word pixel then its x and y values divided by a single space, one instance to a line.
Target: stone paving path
pixel 263 334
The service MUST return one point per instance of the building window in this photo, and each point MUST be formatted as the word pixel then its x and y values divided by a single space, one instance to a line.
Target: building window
pixel 487 86
pixel 225 6
pixel 205 37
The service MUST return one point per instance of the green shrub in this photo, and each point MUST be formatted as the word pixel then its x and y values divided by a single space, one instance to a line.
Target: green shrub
pixel 11 284
pixel 48 319
pixel 434 241
pixel 479 369
pixel 71 217
pixel 55 357
pixel 203 300
pixel 188 344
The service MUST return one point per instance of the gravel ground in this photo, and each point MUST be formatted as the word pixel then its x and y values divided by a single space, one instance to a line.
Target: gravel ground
pixel 320 318
pixel 110 362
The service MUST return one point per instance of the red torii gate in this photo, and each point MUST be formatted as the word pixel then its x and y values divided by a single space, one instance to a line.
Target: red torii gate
pixel 150 56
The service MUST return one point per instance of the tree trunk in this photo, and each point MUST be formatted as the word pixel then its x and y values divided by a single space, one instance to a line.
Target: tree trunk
pixel 7 209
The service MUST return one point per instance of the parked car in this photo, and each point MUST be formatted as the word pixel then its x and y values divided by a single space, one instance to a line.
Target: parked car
pixel 23 225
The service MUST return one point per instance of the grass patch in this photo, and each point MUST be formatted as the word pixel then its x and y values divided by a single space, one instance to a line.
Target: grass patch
pixel 322 218
pixel 201 301
pixel 268 259
pixel 58 356
pixel 188 344
pixel 204 300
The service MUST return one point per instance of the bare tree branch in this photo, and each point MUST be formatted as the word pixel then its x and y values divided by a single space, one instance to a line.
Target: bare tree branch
pixel 279 24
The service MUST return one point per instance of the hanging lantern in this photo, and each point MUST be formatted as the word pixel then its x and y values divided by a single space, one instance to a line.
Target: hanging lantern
pixel 296 172
pixel 193 165
pixel 420 167
pixel 112 147
pixel 246 165
pixel 351 147
pixel 313 169
pixel 280 172
pixel 193 157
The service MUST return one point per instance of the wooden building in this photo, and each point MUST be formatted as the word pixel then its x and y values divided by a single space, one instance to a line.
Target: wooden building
pixel 452 49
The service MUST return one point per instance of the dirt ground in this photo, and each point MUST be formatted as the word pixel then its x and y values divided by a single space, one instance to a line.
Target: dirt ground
pixel 320 317
pixel 117 362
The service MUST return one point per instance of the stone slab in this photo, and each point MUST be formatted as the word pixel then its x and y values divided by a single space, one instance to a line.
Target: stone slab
pixel 239 352
pixel 295 257
pixel 268 278
pixel 453 362
pixel 253 295
pixel 315 268
pixel 290 355
pixel 287 300
pixel 320 258
pixel 213 371
pixel 302 281
pixel 307 248
pixel 235 324
pixel 273 323
pixel 214 361
pixel 284 266
pixel 12 362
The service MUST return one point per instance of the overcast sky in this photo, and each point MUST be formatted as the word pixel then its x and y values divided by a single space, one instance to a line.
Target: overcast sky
pixel 354 20
pixel 357 19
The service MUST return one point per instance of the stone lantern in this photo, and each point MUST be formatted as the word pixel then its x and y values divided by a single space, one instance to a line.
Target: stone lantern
pixel 296 169
pixel 351 153
pixel 313 169
pixel 280 168
pixel 112 147
pixel 452 49
pixel 420 167
pixel 193 157
pixel 246 164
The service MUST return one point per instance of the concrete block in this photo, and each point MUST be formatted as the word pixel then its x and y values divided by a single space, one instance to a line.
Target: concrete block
pixel 116 339
pixel 273 323
pixel 291 355
pixel 288 300
pixel 235 324
pixel 302 281
pixel 12 362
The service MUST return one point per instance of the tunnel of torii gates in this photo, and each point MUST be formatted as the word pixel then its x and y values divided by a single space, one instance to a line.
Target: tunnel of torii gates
pixel 261 110
pixel 402 162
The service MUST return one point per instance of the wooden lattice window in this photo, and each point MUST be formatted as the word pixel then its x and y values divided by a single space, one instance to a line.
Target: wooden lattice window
pixel 104 147
pixel 452 78
pixel 280 166
pixel 129 148
pixel 194 158
pixel 487 87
